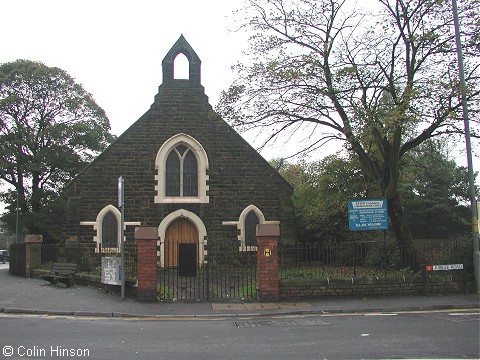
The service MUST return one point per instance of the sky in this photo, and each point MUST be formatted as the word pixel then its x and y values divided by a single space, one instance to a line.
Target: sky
pixel 115 48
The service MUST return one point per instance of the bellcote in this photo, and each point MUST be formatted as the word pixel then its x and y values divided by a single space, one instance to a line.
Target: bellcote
pixel 194 62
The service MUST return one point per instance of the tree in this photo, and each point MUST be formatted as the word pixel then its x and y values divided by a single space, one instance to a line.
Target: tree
pixel 322 190
pixel 435 191
pixel 383 82
pixel 49 128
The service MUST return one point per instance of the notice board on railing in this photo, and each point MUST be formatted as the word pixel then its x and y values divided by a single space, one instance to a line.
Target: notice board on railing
pixel 111 271
pixel 368 214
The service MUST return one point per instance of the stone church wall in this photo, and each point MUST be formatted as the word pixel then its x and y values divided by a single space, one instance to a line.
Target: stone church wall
pixel 238 175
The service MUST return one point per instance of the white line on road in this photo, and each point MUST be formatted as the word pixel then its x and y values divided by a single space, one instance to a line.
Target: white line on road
pixel 463 314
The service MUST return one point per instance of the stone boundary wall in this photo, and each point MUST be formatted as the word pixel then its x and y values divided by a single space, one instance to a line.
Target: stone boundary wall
pixel 294 289
pixel 297 289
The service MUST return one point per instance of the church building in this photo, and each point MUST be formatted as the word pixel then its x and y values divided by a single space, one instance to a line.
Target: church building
pixel 186 173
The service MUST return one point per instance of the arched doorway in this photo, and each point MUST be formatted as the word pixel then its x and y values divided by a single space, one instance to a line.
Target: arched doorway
pixel 197 227
pixel 181 231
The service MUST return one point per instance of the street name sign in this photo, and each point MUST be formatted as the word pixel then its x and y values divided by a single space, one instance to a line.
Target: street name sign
pixel 368 214
pixel 445 267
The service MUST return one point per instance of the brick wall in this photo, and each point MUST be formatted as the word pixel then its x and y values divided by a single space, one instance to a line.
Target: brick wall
pixel 267 262
pixel 410 285
pixel 146 239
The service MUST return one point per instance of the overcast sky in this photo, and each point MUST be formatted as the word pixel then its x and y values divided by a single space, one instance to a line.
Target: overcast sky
pixel 114 48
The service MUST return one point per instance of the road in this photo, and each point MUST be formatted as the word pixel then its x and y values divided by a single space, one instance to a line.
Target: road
pixel 435 334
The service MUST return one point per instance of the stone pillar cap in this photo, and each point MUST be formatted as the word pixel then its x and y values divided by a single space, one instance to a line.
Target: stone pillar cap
pixel 32 239
pixel 146 233
pixel 268 230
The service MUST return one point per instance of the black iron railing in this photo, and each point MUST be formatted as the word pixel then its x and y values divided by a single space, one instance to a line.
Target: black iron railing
pixel 364 259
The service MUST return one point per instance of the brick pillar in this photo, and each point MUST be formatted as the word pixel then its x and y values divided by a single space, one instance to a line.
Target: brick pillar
pixel 33 253
pixel 268 237
pixel 146 238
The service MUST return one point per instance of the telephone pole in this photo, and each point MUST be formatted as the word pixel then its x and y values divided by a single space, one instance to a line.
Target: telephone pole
pixel 471 179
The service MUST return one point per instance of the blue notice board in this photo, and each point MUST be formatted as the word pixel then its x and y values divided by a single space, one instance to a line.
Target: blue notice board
pixel 368 214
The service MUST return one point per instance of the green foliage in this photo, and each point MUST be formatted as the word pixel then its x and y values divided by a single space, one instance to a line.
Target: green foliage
pixel 456 249
pixel 383 81
pixel 435 191
pixel 50 127
pixel 245 291
pixel 322 191
pixel 248 291
pixel 339 272
pixel 165 293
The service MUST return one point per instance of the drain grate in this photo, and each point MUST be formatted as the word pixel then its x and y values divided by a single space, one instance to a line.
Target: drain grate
pixel 279 323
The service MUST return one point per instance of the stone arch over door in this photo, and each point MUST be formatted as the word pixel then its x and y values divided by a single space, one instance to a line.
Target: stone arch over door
pixel 180 231
pixel 180 223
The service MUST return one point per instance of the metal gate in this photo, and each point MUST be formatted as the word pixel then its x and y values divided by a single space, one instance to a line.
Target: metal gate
pixel 226 272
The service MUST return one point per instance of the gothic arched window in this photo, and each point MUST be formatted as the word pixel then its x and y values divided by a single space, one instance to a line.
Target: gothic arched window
pixel 109 230
pixel 182 166
pixel 181 175
pixel 246 224
pixel 251 222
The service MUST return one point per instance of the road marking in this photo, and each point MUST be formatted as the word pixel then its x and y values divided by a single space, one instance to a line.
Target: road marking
pixel 294 316
pixel 464 314
pixel 291 322
pixel 113 318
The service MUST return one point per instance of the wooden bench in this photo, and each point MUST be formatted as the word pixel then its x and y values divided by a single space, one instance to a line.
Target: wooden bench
pixel 62 272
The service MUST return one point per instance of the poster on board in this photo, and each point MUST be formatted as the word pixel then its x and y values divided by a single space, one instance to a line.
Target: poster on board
pixel 111 271
pixel 368 214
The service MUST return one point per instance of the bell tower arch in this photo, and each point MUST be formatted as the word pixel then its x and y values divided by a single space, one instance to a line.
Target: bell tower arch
pixel 194 62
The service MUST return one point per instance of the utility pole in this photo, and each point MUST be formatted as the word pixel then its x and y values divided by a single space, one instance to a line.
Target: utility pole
pixel 121 205
pixel 17 209
pixel 471 179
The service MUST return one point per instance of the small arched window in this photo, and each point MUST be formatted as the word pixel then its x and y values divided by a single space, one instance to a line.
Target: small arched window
pixel 251 222
pixel 246 224
pixel 109 230
pixel 181 66
pixel 181 174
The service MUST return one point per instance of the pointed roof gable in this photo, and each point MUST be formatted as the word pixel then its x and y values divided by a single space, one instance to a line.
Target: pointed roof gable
pixel 194 62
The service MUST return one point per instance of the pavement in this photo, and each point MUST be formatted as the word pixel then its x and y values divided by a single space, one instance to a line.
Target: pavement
pixel 36 296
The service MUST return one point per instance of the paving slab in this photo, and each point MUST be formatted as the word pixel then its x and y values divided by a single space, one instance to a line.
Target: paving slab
pixel 261 306
pixel 228 307
pixel 295 305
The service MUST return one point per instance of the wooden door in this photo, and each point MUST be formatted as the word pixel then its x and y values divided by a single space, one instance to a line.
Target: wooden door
pixel 181 231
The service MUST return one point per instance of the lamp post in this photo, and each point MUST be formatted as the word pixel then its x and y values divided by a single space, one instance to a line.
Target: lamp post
pixel 471 179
